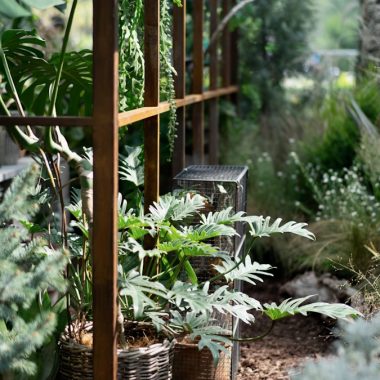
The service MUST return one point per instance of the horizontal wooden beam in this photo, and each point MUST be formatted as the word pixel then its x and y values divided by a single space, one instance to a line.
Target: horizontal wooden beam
pixel 125 118
pixel 133 116
pixel 46 121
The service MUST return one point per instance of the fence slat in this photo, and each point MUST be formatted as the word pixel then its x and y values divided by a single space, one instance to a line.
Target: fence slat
pixel 179 60
pixel 152 99
pixel 105 140
pixel 198 109
pixel 214 79
pixel 226 48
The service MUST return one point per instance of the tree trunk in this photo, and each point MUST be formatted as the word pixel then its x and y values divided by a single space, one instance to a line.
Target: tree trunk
pixel 369 33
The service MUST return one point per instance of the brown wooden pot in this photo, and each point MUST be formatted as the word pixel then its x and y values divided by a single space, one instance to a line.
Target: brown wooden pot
pixel 191 364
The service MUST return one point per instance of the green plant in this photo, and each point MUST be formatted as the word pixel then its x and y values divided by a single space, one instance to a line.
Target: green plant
pixel 162 278
pixel 272 42
pixel 347 219
pixel 30 269
pixel 13 8
pixel 356 358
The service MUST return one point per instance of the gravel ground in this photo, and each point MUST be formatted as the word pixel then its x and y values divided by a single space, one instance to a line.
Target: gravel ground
pixel 291 342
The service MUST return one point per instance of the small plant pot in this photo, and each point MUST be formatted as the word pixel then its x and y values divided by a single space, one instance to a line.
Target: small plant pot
pixel 191 364
pixel 152 362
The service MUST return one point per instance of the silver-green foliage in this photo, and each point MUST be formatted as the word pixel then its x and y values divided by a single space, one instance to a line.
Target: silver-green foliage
pixel 183 232
pixel 357 355
pixel 28 270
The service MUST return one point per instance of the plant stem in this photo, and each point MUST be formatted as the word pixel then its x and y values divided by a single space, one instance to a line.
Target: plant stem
pixel 253 339
pixel 62 58
pixel 11 83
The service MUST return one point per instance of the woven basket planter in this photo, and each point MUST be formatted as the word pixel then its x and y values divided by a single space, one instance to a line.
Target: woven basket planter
pixel 153 362
pixel 191 364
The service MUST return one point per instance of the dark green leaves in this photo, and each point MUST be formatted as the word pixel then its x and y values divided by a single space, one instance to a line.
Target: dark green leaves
pixel 34 76
pixel 12 9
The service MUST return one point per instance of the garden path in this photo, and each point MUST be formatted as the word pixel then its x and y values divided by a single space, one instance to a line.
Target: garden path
pixel 291 342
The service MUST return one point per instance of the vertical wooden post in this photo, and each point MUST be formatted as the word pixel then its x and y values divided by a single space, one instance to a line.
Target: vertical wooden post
pixel 151 99
pixel 198 108
pixel 105 141
pixel 214 109
pixel 226 48
pixel 234 57
pixel 179 60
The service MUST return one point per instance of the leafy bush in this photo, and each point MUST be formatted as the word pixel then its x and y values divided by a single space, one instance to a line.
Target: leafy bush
pixel 29 270
pixel 357 355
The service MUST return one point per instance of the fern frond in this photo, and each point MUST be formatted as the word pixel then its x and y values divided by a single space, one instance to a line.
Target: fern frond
pixel 208 231
pixel 248 271
pixel 140 289
pixel 174 209
pixel 260 227
pixel 131 168
pixel 294 306
pixel 222 217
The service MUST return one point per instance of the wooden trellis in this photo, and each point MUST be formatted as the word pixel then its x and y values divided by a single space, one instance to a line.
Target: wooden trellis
pixel 106 120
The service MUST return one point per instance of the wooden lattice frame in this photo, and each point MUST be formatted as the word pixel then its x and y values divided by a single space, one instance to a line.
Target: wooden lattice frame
pixel 106 120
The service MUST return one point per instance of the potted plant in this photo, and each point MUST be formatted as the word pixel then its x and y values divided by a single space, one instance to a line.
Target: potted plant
pixel 168 291
pixel 143 352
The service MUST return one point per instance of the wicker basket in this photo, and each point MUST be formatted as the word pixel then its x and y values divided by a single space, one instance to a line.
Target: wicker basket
pixel 153 362
pixel 191 364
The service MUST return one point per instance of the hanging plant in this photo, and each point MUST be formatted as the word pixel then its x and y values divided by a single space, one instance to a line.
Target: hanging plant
pixel 167 69
pixel 131 56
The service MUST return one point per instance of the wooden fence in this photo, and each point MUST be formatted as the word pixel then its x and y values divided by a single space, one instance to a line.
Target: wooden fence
pixel 106 121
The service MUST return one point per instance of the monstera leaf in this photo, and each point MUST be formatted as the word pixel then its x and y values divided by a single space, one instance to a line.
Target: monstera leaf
pixel 34 76
pixel 14 9
pixel 34 82
pixel 21 45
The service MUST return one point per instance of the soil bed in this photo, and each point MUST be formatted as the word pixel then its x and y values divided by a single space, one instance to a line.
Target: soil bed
pixel 291 342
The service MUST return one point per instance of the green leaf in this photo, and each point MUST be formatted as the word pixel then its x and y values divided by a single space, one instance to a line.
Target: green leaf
pixel 170 208
pixel 34 77
pixel 43 4
pixel 21 45
pixel 208 231
pixel 32 227
pixel 248 271
pixel 223 217
pixel 294 306
pixel 260 227
pixel 139 289
pixel 131 167
pixel 12 9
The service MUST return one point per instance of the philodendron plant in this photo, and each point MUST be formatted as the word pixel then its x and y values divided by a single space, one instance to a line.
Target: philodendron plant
pixel 161 285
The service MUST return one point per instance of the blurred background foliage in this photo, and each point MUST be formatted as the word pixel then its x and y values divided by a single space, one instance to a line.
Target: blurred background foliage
pixel 307 125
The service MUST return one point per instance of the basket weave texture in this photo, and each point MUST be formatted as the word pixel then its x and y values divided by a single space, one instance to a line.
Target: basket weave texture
pixel 153 362
pixel 191 364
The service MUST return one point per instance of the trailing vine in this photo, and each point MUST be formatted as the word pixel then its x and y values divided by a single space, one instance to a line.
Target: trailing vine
pixel 167 69
pixel 131 56
pixel 131 65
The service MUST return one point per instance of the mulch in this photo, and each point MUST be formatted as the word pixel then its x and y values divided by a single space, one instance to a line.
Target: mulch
pixel 292 341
